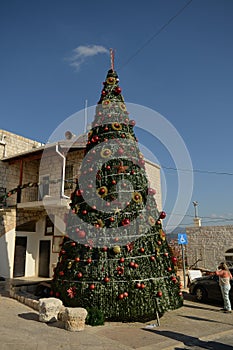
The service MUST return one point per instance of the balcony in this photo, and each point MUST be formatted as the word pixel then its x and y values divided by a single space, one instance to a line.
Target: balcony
pixel 34 198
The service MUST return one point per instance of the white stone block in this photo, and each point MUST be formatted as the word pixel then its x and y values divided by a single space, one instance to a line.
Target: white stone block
pixel 74 319
pixel 49 309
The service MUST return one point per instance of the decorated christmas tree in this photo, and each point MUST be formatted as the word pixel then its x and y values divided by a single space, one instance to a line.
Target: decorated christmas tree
pixel 115 256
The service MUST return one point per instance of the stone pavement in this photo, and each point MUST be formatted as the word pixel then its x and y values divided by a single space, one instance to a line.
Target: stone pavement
pixel 194 326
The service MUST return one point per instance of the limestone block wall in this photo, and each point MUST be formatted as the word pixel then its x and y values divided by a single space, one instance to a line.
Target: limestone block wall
pixel 7 220
pixel 13 144
pixel 209 244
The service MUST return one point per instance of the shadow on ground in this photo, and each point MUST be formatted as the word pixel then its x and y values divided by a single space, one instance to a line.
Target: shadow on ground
pixel 191 341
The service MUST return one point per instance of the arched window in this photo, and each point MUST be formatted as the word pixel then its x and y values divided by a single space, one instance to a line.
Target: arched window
pixel 229 257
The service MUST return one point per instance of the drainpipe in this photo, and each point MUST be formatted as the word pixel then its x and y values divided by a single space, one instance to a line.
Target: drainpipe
pixel 63 172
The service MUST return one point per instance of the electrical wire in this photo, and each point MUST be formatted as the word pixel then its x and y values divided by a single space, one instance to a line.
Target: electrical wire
pixel 198 171
pixel 156 34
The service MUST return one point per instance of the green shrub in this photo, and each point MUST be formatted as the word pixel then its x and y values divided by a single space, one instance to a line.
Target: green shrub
pixel 95 317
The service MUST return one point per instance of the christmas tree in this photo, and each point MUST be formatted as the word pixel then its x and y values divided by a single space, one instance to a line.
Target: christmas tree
pixel 115 256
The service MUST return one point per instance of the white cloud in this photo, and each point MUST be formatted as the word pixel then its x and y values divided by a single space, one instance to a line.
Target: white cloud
pixel 82 52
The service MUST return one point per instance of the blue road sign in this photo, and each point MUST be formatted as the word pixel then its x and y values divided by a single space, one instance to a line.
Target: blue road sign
pixel 182 238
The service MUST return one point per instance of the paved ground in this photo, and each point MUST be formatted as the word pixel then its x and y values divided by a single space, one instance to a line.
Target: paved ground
pixel 194 326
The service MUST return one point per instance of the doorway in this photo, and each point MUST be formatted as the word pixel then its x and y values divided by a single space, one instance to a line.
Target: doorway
pixel 20 256
pixel 44 258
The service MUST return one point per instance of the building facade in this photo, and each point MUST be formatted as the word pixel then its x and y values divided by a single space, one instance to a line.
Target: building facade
pixel 209 245
pixel 36 182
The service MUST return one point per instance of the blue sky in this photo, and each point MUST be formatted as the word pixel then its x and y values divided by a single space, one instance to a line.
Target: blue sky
pixel 185 73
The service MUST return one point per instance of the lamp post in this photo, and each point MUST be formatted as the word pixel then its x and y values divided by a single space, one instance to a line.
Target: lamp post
pixel 196 220
pixel 195 203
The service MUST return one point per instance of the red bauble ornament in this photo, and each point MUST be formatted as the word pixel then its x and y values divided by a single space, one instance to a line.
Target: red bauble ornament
pixel 95 138
pixel 77 259
pixel 142 286
pixel 138 285
pixel 79 192
pixel 159 242
pixel 151 191
pixel 92 286
pixel 57 294
pixel 152 258
pixel 165 254
pixel 79 275
pixel 169 269
pixel 108 167
pixel 51 293
pixel 174 260
pixel 84 212
pixel 142 250
pixel 121 296
pixel 111 219
pixel 159 294
pixel 162 215
pixel 132 122
pixel 126 294
pixel 106 279
pixel 141 162
pixel 81 234
pixel 102 191
pixel 89 261
pixel 105 249
pixel 120 151
pixel 132 264
pixel 136 266
pixel 73 244
pixel 125 222
pixel 61 273
pixel 103 92
pixel 122 260
pixel 117 90
pixel 114 182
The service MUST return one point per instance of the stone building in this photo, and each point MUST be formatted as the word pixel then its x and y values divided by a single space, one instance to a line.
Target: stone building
pixel 209 245
pixel 36 182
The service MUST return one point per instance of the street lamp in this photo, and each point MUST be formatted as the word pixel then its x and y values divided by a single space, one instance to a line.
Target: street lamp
pixel 195 203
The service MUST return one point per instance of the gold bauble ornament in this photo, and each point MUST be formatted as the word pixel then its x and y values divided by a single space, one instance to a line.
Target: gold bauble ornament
pixel 117 249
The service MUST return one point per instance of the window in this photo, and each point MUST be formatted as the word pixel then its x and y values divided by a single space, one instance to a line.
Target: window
pixel 69 177
pixel 49 225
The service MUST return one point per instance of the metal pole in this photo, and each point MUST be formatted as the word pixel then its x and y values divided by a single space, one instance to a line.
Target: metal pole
pixel 183 259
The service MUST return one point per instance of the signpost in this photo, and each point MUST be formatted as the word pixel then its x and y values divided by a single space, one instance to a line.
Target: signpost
pixel 182 239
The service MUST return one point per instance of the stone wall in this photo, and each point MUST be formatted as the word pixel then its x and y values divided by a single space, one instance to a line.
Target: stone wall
pixel 209 244
pixel 7 220
pixel 13 144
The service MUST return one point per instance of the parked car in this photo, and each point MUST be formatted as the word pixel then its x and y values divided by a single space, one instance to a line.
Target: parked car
pixel 207 288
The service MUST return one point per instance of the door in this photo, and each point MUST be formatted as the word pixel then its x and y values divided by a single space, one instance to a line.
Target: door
pixel 44 258
pixel 20 256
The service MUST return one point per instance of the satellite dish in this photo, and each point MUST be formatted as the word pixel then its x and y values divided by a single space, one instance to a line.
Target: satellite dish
pixel 68 135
